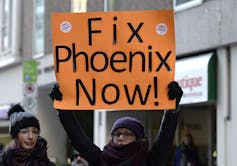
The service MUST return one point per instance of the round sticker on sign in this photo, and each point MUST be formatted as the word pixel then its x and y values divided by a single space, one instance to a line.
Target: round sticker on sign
pixel 65 26
pixel 161 29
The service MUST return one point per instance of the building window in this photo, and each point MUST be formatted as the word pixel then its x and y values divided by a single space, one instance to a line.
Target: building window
pixel 5 17
pixel 78 5
pixel 180 5
pixel 116 5
pixel 38 37
pixel 9 31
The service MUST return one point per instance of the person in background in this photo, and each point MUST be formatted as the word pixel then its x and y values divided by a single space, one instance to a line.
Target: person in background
pixel 129 144
pixel 28 148
pixel 1 148
pixel 78 160
pixel 186 153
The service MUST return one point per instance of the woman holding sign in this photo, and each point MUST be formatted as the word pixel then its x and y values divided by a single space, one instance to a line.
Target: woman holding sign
pixel 128 145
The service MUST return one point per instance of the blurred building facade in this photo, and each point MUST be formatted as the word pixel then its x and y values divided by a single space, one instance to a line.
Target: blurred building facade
pixel 206 43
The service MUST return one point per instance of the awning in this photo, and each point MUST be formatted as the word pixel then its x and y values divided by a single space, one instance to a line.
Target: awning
pixel 197 77
pixel 3 111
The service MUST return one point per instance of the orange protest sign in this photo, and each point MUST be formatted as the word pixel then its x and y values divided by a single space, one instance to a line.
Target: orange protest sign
pixel 114 60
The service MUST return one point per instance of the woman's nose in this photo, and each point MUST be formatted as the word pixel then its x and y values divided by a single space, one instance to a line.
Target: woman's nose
pixel 121 136
pixel 30 135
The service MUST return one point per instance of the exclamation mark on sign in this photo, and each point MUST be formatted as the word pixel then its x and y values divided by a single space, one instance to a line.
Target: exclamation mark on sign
pixel 155 80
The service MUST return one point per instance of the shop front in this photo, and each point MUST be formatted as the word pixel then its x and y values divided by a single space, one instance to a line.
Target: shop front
pixel 197 77
pixel 11 93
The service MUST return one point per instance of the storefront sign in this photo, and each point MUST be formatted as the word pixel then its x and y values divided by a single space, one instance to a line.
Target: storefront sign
pixel 193 75
pixel 114 60
pixel 30 85
pixel 3 111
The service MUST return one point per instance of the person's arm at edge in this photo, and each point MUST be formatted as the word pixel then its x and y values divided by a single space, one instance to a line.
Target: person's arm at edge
pixel 78 137
pixel 160 150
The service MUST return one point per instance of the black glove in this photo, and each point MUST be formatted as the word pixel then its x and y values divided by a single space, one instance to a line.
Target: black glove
pixel 55 93
pixel 175 92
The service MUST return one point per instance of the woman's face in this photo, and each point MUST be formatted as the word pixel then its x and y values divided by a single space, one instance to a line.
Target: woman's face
pixel 27 137
pixel 123 136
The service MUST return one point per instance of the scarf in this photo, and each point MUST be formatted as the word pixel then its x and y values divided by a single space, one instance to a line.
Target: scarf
pixel 133 154
pixel 15 156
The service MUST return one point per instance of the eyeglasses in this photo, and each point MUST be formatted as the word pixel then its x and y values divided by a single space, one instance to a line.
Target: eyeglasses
pixel 124 134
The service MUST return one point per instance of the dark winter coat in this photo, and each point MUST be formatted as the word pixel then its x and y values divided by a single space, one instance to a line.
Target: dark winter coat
pixel 15 156
pixel 185 154
pixel 129 154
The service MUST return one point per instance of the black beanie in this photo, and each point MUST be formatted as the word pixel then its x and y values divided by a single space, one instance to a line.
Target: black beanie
pixel 19 119
pixel 130 123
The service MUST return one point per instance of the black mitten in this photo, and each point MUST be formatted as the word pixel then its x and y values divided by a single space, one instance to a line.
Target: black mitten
pixel 55 93
pixel 175 92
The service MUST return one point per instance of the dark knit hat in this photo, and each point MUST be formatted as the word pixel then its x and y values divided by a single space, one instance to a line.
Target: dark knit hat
pixel 131 124
pixel 19 119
